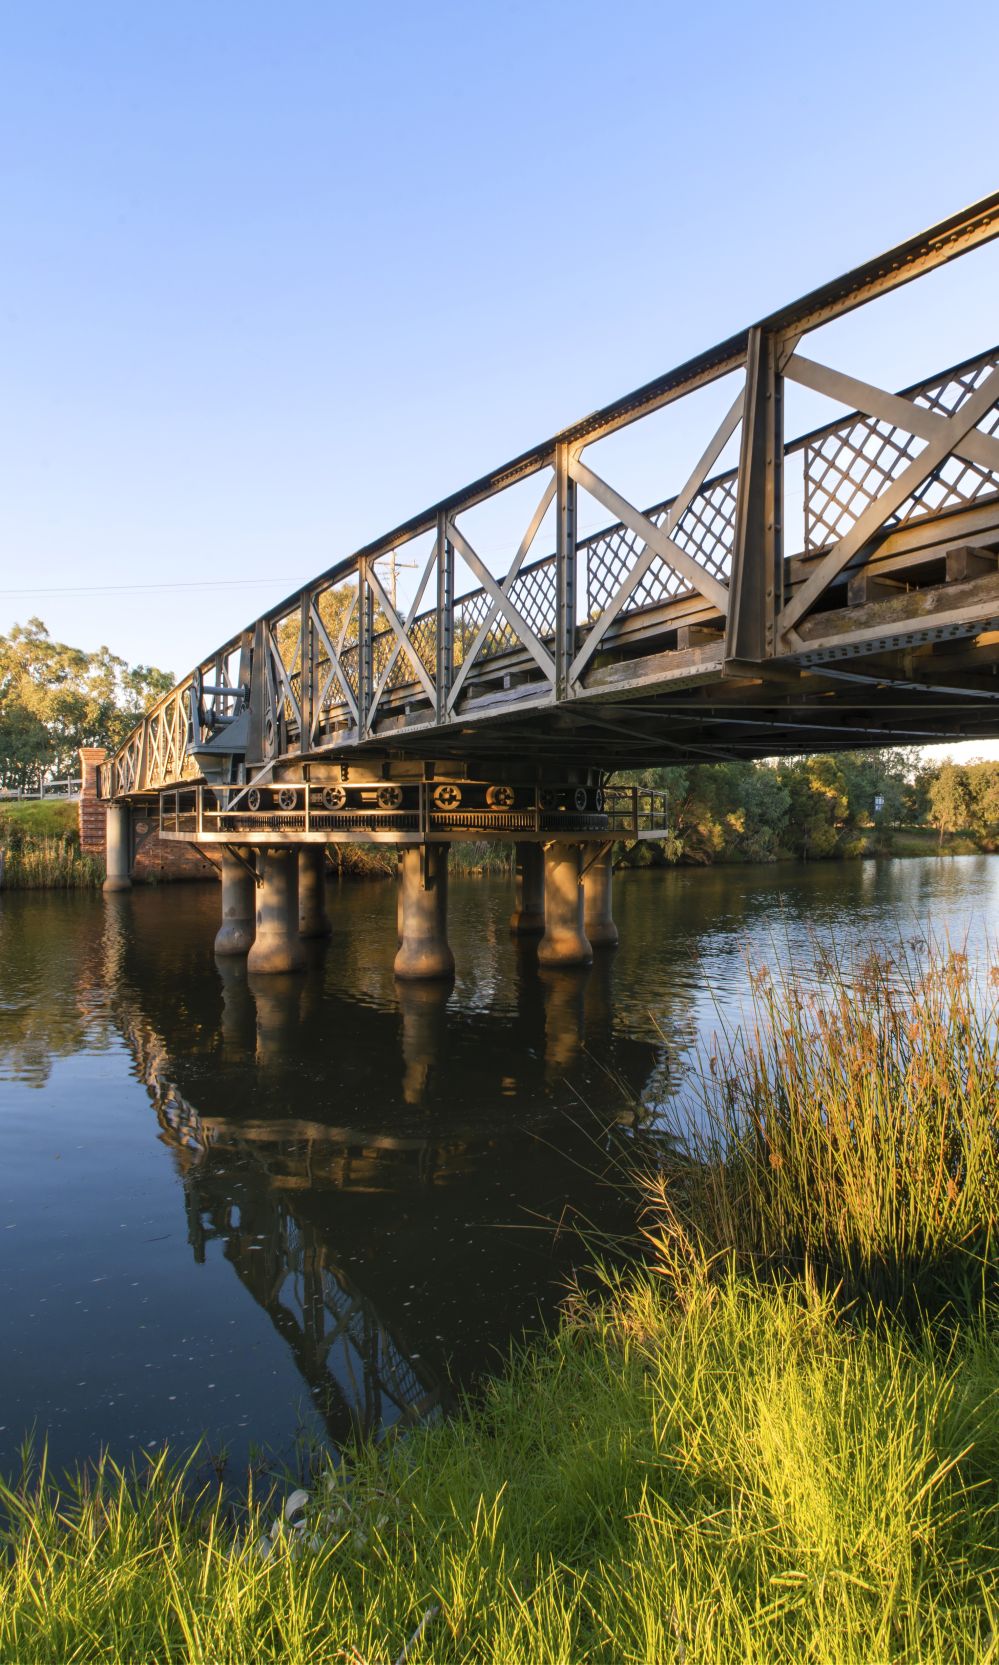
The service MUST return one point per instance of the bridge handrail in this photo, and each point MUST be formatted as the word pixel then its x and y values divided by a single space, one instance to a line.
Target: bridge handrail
pixel 68 788
pixel 157 750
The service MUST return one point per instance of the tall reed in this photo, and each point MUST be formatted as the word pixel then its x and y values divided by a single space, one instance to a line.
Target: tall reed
pixel 850 1122
pixel 48 864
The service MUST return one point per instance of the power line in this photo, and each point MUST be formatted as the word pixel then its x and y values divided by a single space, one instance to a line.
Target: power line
pixel 180 584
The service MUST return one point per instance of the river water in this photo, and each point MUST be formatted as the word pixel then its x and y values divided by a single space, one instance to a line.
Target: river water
pixel 275 1210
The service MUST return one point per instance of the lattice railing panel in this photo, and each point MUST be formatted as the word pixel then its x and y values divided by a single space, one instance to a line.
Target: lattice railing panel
pixel 349 664
pixel 533 593
pixel 381 647
pixel 470 612
pixel 334 697
pixel 847 467
pixel 705 532
pixel 423 640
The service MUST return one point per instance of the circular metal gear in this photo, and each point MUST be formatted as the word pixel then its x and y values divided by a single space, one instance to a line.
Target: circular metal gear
pixel 287 797
pixel 334 797
pixel 447 795
pixel 254 799
pixel 500 797
pixel 389 797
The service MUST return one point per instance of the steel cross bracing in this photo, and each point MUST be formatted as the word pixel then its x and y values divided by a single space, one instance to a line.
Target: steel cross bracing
pixel 693 628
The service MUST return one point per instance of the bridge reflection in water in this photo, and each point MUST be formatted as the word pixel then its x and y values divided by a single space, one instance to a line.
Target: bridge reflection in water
pixel 361 1236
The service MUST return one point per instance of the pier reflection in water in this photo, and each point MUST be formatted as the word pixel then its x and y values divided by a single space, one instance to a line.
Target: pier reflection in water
pixel 353 1235
pixel 389 1170
pixel 361 1189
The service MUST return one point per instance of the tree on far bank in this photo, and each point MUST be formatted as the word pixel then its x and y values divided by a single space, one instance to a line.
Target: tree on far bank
pixel 55 698
pixel 949 799
pixel 983 793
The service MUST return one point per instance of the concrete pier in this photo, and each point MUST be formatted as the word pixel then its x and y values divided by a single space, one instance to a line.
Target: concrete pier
pixel 528 917
pixel 118 848
pixel 564 941
pixel 423 948
pixel 313 920
pixel 277 945
pixel 239 905
pixel 598 915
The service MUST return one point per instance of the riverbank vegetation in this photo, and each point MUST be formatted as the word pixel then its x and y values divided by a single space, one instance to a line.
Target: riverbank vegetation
pixel 775 1437
pixel 40 848
pixel 882 802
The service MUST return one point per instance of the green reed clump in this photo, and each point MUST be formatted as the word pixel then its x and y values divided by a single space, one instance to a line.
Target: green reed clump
pixel 32 863
pixel 851 1123
pixel 362 861
pixel 740 1474
pixel 482 855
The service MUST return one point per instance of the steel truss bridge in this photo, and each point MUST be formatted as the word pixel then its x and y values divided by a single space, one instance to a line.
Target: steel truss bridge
pixel 729 619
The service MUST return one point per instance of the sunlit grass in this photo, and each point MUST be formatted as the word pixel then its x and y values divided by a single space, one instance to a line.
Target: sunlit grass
pixel 740 1476
pixel 850 1123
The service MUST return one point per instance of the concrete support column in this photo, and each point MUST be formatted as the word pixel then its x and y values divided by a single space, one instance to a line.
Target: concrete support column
pixel 277 945
pixel 239 906
pixel 598 916
pixel 528 917
pixel 423 949
pixel 313 920
pixel 564 941
pixel 118 852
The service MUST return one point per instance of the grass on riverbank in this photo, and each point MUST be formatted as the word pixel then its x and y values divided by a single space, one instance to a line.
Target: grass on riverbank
pixel 723 1459
pixel 740 1476
pixel 40 849
pixel 850 1123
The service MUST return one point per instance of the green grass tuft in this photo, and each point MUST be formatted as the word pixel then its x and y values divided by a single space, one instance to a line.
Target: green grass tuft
pixel 849 1126
pixel 40 849
pixel 743 1477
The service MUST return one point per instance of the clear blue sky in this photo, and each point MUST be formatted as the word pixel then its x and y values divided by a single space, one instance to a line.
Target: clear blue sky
pixel 272 278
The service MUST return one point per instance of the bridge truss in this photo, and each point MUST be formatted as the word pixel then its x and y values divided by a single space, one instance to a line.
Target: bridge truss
pixel 724 620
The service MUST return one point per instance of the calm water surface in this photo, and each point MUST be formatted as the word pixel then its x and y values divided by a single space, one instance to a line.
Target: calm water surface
pixel 284 1207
